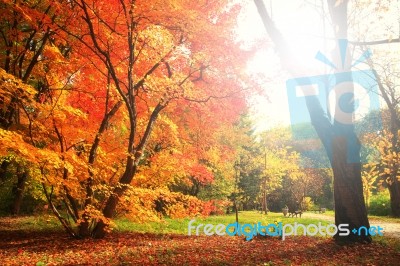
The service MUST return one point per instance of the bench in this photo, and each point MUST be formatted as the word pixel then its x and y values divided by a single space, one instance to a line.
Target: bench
pixel 320 210
pixel 293 213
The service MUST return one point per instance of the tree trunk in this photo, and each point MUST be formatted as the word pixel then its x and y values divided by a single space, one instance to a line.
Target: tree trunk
pixel 18 191
pixel 265 203
pixel 349 201
pixel 264 197
pixel 346 162
pixel 3 170
pixel 100 229
pixel 394 190
pixel 340 143
pixel 394 184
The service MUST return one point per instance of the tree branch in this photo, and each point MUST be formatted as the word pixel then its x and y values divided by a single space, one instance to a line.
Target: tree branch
pixel 385 41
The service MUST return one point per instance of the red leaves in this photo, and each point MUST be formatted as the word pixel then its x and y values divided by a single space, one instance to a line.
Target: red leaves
pixel 154 249
pixel 202 174
pixel 215 207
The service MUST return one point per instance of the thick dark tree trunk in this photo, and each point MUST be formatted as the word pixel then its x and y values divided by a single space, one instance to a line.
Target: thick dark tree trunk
pixel 101 228
pixel 3 170
pixel 394 190
pixel 18 191
pixel 108 212
pixel 84 227
pixel 346 162
pixel 348 194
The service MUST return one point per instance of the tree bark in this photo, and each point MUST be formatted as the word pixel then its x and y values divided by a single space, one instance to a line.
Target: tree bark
pixel 346 162
pixel 348 194
pixel 84 230
pixel 3 170
pixel 394 190
pixel 101 227
pixel 130 170
pixel 18 191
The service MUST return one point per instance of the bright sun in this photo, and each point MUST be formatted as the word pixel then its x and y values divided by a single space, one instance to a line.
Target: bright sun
pixel 301 26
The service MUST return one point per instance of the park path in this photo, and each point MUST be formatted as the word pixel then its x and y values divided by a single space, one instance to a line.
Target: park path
pixel 391 229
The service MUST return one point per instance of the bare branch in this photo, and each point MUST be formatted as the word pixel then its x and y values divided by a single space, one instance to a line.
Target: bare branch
pixel 386 41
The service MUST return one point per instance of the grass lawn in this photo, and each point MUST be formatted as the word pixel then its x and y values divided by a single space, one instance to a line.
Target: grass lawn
pixel 41 241
pixel 180 226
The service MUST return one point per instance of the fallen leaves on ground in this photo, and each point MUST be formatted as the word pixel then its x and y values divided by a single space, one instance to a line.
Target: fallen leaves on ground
pixel 56 248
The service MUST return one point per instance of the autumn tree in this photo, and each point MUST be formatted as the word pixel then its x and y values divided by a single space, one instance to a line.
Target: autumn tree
pixel 169 64
pixel 278 159
pixel 30 55
pixel 137 81
pixel 387 75
pixel 381 171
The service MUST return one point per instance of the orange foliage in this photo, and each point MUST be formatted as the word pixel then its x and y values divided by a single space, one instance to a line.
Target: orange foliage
pixel 126 93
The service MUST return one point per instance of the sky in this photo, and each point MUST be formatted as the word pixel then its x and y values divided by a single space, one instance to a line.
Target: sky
pixel 301 25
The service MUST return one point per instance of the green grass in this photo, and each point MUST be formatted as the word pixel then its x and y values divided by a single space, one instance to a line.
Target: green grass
pixel 329 213
pixel 180 226
pixel 176 226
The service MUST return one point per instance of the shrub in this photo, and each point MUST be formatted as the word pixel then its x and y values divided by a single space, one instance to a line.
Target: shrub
pixel 380 204
pixel 307 204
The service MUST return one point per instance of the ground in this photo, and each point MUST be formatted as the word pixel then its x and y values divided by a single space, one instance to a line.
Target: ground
pixel 21 246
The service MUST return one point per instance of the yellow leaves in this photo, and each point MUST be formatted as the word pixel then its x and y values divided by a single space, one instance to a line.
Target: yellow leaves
pixel 10 86
pixel 387 161
pixel 177 211
pixel 138 204
pixel 369 177
pixel 161 170
pixel 155 42
pixel 91 212
pixel 62 111
pixel 281 161
pixel 72 111
pixel 200 58
pixel 387 171
pixel 158 84
pixel 11 141
pixel 59 116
